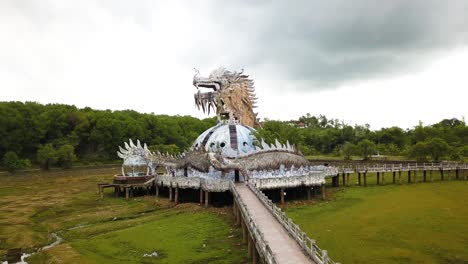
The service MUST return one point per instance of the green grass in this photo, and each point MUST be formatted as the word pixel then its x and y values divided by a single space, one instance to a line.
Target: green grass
pixel 109 230
pixel 416 223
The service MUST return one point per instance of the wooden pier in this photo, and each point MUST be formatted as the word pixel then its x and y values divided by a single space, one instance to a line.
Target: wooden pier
pixel 397 172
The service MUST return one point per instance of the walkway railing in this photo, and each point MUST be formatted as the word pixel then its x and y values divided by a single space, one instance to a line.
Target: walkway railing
pixel 378 167
pixel 309 245
pixel 263 248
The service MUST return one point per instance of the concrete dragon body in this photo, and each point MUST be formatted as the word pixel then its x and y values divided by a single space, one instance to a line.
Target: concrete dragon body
pixel 229 146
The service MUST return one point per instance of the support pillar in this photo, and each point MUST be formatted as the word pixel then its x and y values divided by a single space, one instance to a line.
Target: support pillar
pixel 457 176
pixel 344 180
pixel 127 194
pixel 170 192
pixel 359 178
pixel 244 233
pixel 308 193
pixel 176 196
pixel 409 176
pixel 201 197
pixel 207 198
pixel 365 178
pixel 394 175
pixel 399 177
pixel 157 190
pixel 424 176
pixel 323 192
pixel 378 178
pixel 449 175
pixel 249 246
pixel 347 179
pixel 254 256
pixel 441 174
pixel 383 178
pixel 282 195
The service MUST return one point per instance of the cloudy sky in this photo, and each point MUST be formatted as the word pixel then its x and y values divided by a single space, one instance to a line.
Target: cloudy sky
pixel 379 62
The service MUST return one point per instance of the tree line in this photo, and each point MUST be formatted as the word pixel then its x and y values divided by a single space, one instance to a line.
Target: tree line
pixel 445 140
pixel 60 135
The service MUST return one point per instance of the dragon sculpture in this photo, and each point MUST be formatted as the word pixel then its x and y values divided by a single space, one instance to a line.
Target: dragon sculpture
pixel 230 146
pixel 233 95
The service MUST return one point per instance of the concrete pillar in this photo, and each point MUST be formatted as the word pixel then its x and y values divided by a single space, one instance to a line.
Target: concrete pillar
pixel 201 196
pixel 457 176
pixel 207 198
pixel 378 178
pixel 409 176
pixel 359 178
pixel 424 176
pixel 344 180
pixel 127 194
pixel 176 196
pixel 170 192
pixel 249 246
pixel 365 178
pixel 244 232
pixel 254 255
pixel 308 193
pixel 399 177
pixel 323 192
pixel 282 195
pixel 441 174
pixel 157 190
pixel 383 178
pixel 394 175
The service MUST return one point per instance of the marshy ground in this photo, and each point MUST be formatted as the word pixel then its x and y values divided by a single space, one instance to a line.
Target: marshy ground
pixel 111 230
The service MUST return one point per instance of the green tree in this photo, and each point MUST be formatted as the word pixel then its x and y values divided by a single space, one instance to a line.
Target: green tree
pixel 437 148
pixel 66 156
pixel 348 150
pixel 13 163
pixel 366 148
pixel 419 151
pixel 46 156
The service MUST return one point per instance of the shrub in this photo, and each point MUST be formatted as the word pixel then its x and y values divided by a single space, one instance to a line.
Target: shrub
pixel 13 163
pixel 46 156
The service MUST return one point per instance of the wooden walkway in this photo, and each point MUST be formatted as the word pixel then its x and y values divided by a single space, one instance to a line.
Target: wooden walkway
pixel 285 249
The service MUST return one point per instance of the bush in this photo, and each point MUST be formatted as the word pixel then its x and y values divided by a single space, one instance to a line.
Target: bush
pixel 12 163
pixel 46 156
pixel 366 148
pixel 66 156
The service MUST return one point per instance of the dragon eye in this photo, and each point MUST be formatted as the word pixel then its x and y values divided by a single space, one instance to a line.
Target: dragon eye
pixel 222 144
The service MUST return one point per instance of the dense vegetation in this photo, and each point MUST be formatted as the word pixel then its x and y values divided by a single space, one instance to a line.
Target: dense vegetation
pixel 447 139
pixel 58 135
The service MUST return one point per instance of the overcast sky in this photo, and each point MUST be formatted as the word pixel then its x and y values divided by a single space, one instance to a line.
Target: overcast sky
pixel 379 62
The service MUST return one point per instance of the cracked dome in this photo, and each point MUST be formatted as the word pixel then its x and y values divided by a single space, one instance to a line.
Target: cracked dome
pixel 230 139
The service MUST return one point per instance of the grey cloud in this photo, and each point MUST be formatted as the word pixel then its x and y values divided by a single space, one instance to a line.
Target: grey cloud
pixel 328 43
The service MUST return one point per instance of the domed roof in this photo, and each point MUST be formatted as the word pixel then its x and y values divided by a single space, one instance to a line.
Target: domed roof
pixel 231 139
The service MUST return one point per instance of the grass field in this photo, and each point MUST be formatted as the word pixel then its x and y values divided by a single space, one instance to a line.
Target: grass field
pixel 109 230
pixel 415 223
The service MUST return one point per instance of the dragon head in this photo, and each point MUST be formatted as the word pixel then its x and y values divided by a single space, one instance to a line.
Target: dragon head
pixel 231 95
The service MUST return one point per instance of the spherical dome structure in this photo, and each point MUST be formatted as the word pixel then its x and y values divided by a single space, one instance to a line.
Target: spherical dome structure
pixel 231 139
